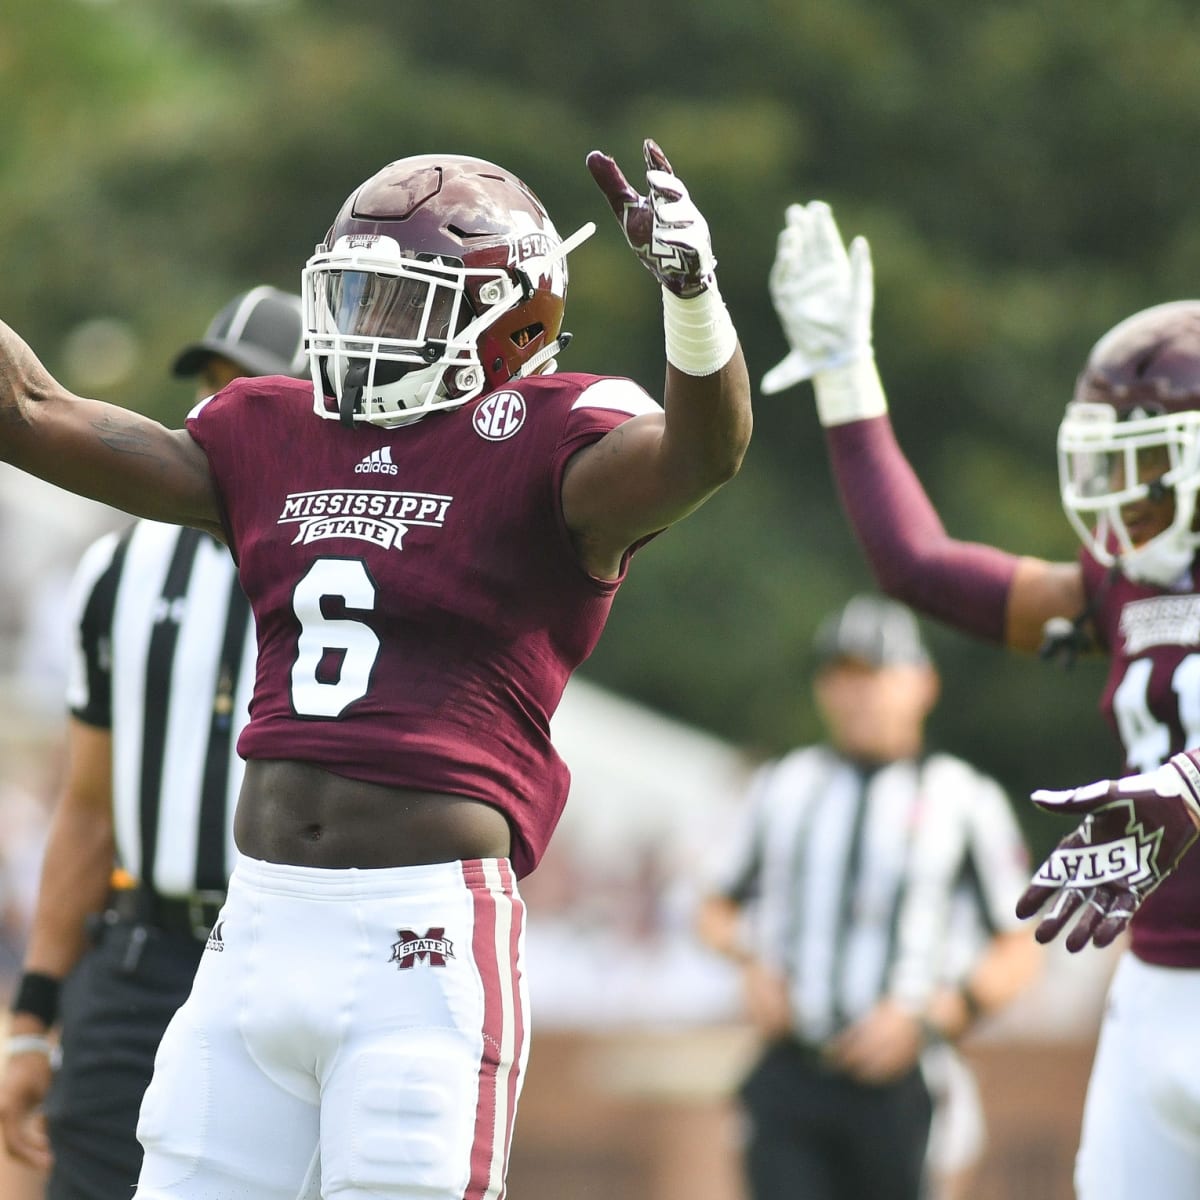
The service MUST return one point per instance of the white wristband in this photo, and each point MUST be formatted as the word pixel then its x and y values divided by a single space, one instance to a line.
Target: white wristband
pixel 850 393
pixel 30 1043
pixel 699 333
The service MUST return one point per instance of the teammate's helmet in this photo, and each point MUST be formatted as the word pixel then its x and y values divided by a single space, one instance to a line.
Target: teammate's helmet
pixel 1132 433
pixel 441 277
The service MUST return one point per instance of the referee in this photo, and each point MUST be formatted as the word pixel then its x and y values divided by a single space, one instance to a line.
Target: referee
pixel 869 899
pixel 141 840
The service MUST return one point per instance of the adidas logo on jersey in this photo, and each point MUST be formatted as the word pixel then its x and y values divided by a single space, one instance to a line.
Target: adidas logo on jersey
pixel 216 939
pixel 378 462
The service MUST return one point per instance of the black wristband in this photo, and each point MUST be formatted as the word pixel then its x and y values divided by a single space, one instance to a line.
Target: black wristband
pixel 37 995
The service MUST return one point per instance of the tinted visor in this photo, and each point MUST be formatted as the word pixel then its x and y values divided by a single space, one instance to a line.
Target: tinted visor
pixel 412 309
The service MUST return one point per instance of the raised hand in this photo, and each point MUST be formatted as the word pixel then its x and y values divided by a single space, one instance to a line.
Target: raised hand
pixel 823 296
pixel 664 228
pixel 1134 832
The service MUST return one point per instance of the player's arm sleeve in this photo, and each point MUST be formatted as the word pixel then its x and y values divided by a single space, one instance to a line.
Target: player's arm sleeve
pixel 914 560
pixel 91 608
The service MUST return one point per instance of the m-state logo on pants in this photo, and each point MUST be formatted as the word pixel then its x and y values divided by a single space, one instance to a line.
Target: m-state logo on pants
pixel 432 947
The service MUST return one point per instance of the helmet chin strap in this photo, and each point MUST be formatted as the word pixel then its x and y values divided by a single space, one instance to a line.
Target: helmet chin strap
pixel 352 390
pixel 544 355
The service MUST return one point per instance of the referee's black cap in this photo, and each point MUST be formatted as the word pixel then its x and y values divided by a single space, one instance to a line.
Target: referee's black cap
pixel 872 630
pixel 261 330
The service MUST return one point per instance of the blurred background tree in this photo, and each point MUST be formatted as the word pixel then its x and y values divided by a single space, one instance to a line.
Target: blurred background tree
pixel 1025 171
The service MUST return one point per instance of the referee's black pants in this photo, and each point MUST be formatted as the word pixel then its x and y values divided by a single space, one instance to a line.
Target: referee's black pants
pixel 115 1006
pixel 815 1134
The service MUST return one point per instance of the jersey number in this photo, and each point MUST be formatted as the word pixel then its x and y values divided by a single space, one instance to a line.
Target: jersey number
pixel 335 655
pixel 1147 740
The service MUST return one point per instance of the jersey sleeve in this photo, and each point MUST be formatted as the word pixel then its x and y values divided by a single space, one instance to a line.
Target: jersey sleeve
pixel 600 407
pixel 91 605
pixel 222 426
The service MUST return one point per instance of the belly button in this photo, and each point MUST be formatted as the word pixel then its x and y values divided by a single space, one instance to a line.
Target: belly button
pixel 313 832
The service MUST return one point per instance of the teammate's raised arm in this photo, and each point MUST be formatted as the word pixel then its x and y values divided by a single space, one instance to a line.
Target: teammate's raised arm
pixel 824 296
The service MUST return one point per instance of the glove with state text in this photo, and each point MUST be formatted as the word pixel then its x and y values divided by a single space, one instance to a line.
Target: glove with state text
pixel 1134 832
pixel 664 228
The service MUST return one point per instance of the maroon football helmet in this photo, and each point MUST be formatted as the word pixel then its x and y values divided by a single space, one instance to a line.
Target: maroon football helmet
pixel 1149 361
pixel 1132 433
pixel 442 277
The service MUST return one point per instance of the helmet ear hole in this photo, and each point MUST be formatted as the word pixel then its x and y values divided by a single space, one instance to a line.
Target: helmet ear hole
pixel 522 337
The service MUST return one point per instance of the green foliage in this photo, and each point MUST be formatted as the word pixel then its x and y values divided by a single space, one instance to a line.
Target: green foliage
pixel 1025 172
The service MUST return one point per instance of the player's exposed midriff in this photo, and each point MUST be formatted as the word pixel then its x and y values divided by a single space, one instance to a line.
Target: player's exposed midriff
pixel 298 814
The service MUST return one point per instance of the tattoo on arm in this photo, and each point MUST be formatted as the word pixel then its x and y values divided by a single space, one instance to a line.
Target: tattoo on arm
pixel 122 437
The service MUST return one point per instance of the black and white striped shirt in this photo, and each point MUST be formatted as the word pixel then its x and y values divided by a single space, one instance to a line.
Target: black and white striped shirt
pixel 164 657
pixel 864 885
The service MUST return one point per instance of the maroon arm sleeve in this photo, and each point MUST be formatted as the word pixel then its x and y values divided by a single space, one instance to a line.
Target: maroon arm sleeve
pixel 914 560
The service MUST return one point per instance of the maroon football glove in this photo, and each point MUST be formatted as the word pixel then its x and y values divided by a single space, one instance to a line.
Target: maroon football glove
pixel 1134 833
pixel 664 228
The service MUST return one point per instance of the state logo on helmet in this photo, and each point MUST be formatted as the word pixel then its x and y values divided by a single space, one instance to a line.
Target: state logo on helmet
pixel 1130 439
pixel 442 277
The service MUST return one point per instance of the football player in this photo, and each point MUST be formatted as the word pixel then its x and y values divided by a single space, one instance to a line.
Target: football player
pixel 1129 459
pixel 431 534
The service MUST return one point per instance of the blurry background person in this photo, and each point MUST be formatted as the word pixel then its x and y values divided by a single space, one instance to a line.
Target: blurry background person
pixel 163 664
pixel 869 899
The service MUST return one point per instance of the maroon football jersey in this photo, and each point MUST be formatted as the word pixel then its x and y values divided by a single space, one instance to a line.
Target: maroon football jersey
pixel 1152 701
pixel 418 602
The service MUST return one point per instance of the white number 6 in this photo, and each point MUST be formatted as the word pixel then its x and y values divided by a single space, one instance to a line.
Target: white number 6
pixel 347 579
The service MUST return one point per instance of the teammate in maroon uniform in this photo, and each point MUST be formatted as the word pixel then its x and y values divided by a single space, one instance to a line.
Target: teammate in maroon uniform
pixel 426 566
pixel 1130 468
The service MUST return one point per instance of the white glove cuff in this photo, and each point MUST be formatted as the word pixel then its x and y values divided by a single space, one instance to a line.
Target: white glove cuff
pixel 699 333
pixel 850 393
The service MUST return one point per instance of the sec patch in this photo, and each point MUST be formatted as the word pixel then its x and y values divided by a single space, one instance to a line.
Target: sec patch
pixel 500 416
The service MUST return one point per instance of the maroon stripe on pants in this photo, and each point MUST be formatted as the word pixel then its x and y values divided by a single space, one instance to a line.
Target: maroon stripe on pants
pixel 494 976
pixel 514 1075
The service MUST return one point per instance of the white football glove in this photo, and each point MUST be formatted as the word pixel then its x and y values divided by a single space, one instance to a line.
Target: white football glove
pixel 823 297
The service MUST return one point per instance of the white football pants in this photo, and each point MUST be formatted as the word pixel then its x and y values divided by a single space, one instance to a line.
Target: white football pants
pixel 1141 1122
pixel 350 1034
